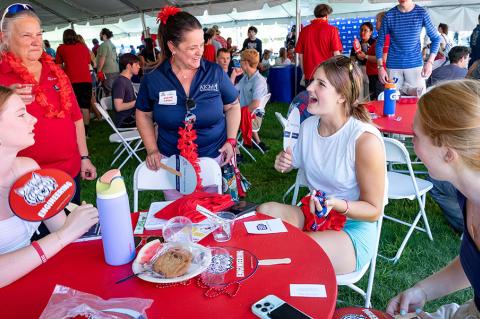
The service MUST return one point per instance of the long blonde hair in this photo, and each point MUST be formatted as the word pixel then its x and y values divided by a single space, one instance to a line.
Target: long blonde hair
pixel 450 115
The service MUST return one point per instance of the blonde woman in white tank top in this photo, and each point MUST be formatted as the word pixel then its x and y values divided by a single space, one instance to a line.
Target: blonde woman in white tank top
pixel 17 256
pixel 342 154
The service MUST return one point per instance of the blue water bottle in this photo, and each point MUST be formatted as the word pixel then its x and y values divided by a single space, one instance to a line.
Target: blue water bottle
pixel 115 221
pixel 390 97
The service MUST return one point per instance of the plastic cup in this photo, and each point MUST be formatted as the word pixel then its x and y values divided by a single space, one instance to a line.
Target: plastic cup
pixel 25 91
pixel 224 231
pixel 178 229
pixel 214 276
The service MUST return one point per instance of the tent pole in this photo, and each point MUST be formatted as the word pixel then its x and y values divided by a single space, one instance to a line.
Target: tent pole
pixel 72 26
pixel 144 26
pixel 297 32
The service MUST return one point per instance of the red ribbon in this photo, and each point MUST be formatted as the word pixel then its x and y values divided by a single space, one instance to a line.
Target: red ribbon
pixel 189 149
pixel 166 12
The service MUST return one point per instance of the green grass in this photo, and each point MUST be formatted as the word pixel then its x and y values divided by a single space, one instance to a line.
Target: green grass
pixel 421 257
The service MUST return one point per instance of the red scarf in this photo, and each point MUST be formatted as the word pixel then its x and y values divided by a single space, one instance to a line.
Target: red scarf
pixel 189 149
pixel 246 125
pixel 65 90
pixel 333 221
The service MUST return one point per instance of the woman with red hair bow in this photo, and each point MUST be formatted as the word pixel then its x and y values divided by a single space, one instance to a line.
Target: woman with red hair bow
pixel 192 100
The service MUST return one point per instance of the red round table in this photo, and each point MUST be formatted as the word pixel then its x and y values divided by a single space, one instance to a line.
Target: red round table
pixel 401 123
pixel 81 266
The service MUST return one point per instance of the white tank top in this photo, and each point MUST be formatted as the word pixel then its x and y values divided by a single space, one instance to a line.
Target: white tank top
pixel 15 233
pixel 329 162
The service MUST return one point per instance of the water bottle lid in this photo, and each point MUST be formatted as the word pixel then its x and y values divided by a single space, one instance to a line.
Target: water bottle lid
pixel 111 185
pixel 390 85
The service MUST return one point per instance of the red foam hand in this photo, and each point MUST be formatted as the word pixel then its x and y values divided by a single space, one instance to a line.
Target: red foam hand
pixel 101 76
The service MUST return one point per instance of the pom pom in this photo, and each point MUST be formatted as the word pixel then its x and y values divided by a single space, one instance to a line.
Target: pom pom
pixel 166 12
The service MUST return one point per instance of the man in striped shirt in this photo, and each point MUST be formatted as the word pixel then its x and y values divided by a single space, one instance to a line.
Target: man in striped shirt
pixel 404 24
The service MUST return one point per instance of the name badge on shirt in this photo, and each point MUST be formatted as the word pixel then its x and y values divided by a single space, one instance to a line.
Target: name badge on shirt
pixel 167 97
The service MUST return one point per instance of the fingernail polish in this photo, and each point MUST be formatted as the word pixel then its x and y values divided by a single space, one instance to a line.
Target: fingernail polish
pixel 418 310
pixel 403 312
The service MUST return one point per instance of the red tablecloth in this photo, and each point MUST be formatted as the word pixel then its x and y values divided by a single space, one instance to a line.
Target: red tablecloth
pixel 81 266
pixel 401 123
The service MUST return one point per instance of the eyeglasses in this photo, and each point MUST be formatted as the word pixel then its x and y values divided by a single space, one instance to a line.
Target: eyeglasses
pixel 141 241
pixel 12 10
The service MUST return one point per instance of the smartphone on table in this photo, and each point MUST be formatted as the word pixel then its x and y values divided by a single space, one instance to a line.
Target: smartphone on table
pixel 272 307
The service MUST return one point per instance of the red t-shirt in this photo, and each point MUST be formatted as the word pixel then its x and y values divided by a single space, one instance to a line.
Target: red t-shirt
pixel 372 66
pixel 76 61
pixel 55 138
pixel 209 52
pixel 317 42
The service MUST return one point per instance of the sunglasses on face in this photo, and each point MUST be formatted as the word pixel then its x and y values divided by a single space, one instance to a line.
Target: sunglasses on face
pixel 141 241
pixel 12 10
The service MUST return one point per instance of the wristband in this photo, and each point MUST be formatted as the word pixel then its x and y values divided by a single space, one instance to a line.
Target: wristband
pixel 40 252
pixel 348 208
pixel 232 142
pixel 85 157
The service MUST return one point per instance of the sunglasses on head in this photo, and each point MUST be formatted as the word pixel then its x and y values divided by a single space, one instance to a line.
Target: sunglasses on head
pixel 12 10
pixel 344 62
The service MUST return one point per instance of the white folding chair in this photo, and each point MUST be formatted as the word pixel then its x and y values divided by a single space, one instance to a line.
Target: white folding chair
pixel 260 108
pixel 300 181
pixel 281 119
pixel 406 186
pixel 352 278
pixel 107 103
pixel 146 179
pixel 124 139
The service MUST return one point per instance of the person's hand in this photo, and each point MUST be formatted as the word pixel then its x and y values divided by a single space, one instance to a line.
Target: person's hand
pixel 315 203
pixel 227 152
pixel 283 161
pixel 361 55
pixel 101 76
pixel 427 69
pixel 236 72
pixel 407 301
pixel 78 222
pixel 153 160
pixel 382 75
pixel 87 170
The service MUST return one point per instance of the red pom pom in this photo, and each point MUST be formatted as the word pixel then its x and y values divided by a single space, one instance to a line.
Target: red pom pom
pixel 166 12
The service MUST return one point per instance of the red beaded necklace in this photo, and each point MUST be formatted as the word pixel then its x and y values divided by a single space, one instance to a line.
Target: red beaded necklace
pixel 65 90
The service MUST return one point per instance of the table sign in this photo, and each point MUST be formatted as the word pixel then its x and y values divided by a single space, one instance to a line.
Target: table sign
pixel 41 194
pixel 269 226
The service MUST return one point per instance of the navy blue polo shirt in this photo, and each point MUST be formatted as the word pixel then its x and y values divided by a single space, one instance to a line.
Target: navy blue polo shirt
pixel 161 93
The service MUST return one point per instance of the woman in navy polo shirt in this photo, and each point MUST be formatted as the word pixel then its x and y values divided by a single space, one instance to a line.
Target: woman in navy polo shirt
pixel 447 140
pixel 185 84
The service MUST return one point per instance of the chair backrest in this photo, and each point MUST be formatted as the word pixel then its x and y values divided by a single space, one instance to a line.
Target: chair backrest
pixel 300 181
pixel 146 179
pixel 281 119
pixel 396 152
pixel 263 101
pixel 106 103
pixel 136 87
pixel 106 116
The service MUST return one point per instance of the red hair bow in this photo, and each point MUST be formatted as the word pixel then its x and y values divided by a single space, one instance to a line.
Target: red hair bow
pixel 166 12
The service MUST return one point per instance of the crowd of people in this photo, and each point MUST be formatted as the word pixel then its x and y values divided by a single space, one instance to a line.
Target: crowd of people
pixel 193 101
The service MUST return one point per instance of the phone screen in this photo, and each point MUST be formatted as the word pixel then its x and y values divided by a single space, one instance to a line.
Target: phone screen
pixel 286 311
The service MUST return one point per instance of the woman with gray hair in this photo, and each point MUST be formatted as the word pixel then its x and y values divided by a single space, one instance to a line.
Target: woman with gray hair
pixel 43 86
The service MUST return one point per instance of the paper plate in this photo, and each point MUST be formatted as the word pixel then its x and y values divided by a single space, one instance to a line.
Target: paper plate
pixel 201 260
pixel 360 313
pixel 41 194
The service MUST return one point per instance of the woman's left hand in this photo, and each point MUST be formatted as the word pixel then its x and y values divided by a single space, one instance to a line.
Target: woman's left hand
pixel 87 170
pixel 315 204
pixel 227 152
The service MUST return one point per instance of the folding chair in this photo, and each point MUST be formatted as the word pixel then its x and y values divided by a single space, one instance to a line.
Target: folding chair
pixel 403 186
pixel 260 108
pixel 146 179
pixel 352 278
pixel 107 103
pixel 123 139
